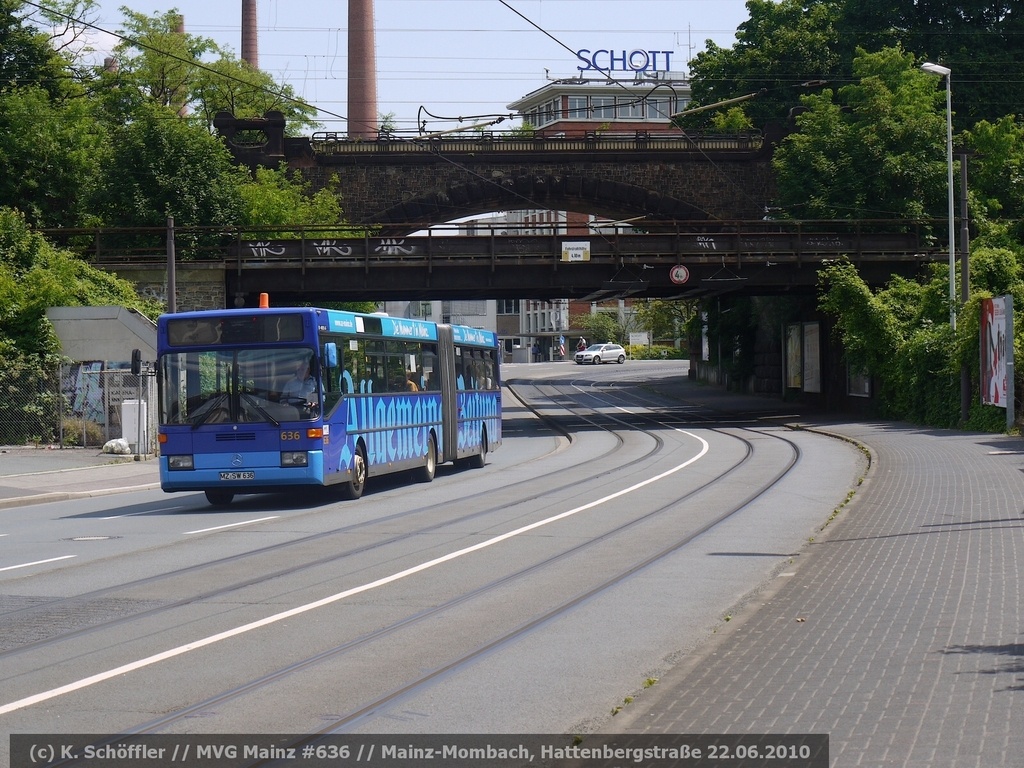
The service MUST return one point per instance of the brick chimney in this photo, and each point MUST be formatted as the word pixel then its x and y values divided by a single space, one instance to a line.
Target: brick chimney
pixel 362 70
pixel 250 40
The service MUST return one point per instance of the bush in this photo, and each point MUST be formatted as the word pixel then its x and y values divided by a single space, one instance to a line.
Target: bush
pixel 901 334
pixel 28 397
pixel 644 352
pixel 82 433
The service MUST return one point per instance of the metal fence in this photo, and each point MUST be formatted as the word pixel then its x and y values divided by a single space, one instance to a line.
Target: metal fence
pixel 78 404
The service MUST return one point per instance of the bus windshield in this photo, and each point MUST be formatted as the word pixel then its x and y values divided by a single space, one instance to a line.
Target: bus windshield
pixel 224 385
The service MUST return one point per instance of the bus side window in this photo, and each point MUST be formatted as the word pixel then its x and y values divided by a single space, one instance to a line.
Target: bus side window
pixel 429 366
pixel 488 369
pixel 460 373
pixel 375 373
pixel 475 372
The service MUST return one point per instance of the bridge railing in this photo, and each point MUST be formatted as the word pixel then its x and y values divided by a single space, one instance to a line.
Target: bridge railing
pixel 792 241
pixel 334 143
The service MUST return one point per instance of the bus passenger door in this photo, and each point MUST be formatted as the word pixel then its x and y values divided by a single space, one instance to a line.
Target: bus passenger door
pixel 334 409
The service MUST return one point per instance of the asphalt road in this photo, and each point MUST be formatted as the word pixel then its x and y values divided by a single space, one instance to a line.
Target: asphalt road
pixel 615 530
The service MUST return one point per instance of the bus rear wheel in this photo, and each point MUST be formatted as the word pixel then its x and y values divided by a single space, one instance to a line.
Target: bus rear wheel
pixel 353 488
pixel 219 498
pixel 478 460
pixel 425 474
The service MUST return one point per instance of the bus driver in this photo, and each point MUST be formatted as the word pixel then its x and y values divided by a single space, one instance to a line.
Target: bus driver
pixel 302 387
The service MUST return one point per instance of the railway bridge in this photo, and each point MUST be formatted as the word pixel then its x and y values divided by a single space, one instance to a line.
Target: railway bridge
pixel 397 183
pixel 695 205
pixel 312 265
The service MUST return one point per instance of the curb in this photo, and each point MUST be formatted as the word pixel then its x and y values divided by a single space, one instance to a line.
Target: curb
pixel 45 498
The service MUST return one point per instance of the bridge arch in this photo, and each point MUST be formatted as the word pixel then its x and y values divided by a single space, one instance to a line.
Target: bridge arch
pixel 616 200
pixel 421 182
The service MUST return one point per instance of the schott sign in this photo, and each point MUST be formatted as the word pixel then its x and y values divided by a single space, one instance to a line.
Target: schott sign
pixel 604 60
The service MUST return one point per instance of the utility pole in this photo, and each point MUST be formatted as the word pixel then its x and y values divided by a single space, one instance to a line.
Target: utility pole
pixel 172 287
pixel 965 285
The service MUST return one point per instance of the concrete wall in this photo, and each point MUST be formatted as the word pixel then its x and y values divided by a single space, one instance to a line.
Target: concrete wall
pixel 107 334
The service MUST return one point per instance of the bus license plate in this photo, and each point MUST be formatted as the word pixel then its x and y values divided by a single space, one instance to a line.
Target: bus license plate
pixel 237 475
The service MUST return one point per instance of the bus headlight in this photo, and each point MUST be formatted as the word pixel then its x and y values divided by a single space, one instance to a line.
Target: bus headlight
pixel 180 462
pixel 294 459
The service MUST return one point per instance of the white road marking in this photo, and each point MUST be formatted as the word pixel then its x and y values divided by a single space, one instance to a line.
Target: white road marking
pixel 232 525
pixel 124 669
pixel 37 562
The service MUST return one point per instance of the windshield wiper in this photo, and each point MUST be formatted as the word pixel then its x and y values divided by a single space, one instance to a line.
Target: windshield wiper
pixel 259 409
pixel 212 407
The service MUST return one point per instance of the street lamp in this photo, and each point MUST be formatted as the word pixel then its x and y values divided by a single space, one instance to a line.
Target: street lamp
pixel 946 72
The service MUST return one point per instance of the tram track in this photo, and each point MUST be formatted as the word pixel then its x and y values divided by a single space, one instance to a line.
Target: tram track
pixel 427 677
pixel 42 614
pixel 566 606
pixel 595 418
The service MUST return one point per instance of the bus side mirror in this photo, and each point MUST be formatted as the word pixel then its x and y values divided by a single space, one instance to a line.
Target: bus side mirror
pixel 136 362
pixel 331 354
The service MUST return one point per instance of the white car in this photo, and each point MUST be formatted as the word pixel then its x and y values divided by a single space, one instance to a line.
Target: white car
pixel 601 353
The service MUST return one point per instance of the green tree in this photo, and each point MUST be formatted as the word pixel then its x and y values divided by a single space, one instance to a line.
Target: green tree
pixel 159 59
pixel 523 131
pixel 68 26
pixel 26 57
pixel 980 40
pixel 48 138
pixel 188 73
pixel 50 152
pixel 664 318
pixel 28 397
pixel 160 165
pixel 785 46
pixel 34 275
pixel 597 327
pixel 780 48
pixel 387 124
pixel 231 85
pixel 873 337
pixel 733 120
pixel 872 149
pixel 996 179
pixel 279 199
pixel 900 335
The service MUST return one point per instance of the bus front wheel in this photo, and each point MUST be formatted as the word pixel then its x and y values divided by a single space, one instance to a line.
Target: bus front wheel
pixel 219 498
pixel 353 488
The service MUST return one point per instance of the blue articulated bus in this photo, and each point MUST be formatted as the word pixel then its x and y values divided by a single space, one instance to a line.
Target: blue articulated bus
pixel 263 400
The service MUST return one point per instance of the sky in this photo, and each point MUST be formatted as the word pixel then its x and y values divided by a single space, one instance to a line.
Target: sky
pixel 449 58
